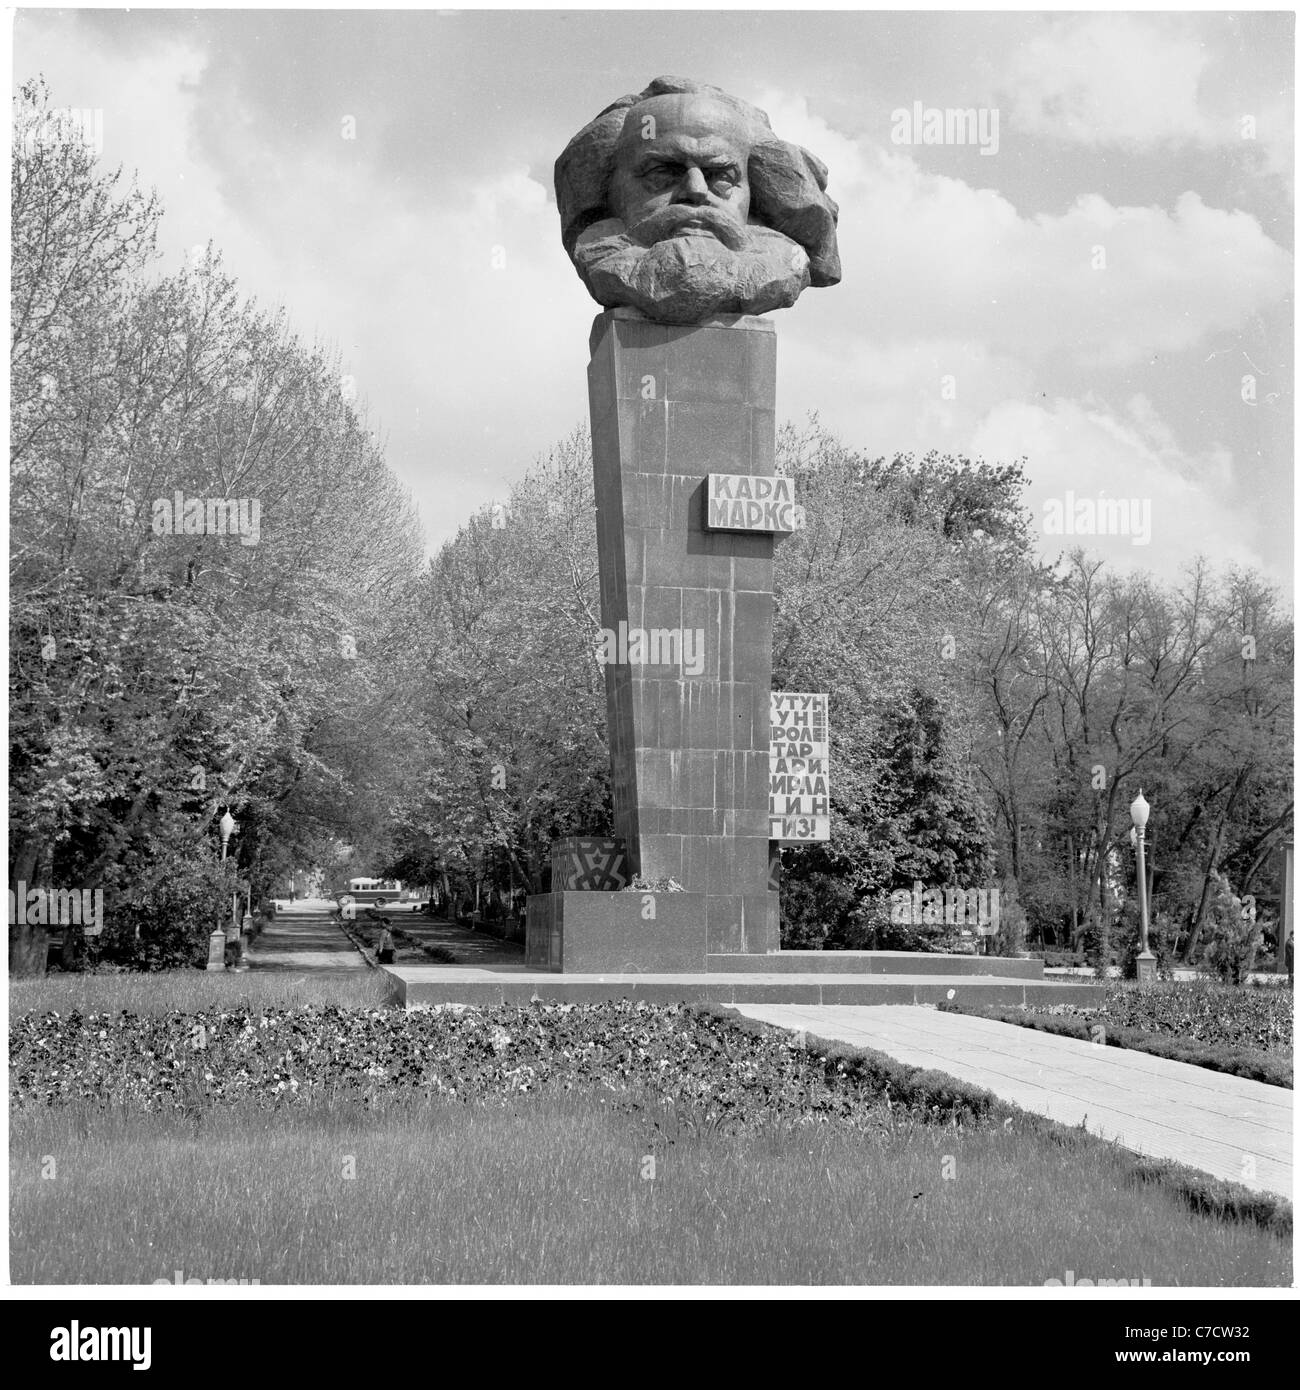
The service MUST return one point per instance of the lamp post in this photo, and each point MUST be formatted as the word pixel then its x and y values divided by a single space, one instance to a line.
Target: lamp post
pixel 229 826
pixel 1286 920
pixel 1146 962
pixel 217 941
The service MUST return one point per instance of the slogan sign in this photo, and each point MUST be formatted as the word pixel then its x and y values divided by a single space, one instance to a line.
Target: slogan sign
pixel 742 502
pixel 798 799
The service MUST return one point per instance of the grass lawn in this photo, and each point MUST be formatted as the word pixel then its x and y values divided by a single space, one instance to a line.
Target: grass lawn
pixel 189 991
pixel 558 1189
pixel 293 1129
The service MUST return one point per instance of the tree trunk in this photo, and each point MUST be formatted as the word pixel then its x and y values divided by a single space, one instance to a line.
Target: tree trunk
pixel 1074 892
pixel 28 943
pixel 1216 848
pixel 28 948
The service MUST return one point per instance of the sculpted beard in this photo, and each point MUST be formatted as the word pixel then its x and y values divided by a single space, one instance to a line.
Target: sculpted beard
pixel 687 262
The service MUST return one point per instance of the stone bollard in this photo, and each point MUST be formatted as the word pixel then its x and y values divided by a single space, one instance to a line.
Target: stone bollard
pixel 217 951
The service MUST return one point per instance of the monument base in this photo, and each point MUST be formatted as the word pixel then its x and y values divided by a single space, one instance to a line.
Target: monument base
pixel 636 933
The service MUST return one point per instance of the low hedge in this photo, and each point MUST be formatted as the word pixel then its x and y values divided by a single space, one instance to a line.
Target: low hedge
pixel 1058 960
pixel 898 1083
pixel 1233 1061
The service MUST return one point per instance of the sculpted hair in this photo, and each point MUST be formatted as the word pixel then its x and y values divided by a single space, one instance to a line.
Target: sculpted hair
pixel 787 184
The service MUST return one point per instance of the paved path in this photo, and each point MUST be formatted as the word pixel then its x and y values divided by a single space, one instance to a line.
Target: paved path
pixel 303 936
pixel 470 947
pixel 1228 1126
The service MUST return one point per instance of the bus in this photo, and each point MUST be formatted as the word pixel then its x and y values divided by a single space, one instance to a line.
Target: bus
pixel 374 891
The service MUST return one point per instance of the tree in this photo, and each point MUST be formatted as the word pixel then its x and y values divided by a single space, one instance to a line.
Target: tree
pixel 1235 936
pixel 237 648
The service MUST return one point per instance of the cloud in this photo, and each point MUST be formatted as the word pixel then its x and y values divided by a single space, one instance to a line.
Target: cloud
pixel 913 396
pixel 1105 286
pixel 440 277
pixel 1111 79
pixel 1145 82
pixel 450 301
pixel 1083 451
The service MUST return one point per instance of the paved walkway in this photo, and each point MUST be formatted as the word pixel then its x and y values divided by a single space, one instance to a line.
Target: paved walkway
pixel 1227 1126
pixel 303 936
pixel 470 947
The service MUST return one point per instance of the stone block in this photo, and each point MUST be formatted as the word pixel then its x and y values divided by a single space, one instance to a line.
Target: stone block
pixel 751 561
pixel 749 856
pixel 710 365
pixel 750 822
pixel 661 854
pixel 695 864
pixel 753 779
pixel 648 501
pixel 642 435
pixel 725 919
pixel 641 368
pixel 762 922
pixel 700 714
pixel 760 378
pixel 752 633
pixel 677 553
pixel 601 393
pixel 610 933
pixel 541 933
pixel 762 436
pixel 704 438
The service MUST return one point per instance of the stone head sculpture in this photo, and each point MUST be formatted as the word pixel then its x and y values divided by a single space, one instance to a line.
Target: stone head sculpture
pixel 681 203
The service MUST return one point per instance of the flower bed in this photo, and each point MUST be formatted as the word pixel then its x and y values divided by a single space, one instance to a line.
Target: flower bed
pixel 277 1056
pixel 1259 1018
pixel 1240 1030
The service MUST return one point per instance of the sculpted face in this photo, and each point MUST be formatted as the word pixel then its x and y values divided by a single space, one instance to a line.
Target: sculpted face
pixel 680 203
pixel 681 169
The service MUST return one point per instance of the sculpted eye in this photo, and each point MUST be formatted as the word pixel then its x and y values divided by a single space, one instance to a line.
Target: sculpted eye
pixel 661 174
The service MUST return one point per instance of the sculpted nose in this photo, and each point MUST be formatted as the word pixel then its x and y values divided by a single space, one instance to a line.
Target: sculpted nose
pixel 693 189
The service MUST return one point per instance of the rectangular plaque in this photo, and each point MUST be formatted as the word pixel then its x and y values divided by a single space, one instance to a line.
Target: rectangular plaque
pixel 744 502
pixel 798 803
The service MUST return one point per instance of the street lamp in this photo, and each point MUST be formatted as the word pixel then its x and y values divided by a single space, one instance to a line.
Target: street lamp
pixel 1140 810
pixel 217 941
pixel 227 825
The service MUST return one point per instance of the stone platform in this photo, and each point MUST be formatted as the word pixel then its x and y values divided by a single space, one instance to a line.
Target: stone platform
pixel 875 982
pixel 875 963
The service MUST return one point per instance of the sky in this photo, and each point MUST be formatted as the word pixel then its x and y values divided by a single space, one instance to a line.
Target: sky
pixel 1105 291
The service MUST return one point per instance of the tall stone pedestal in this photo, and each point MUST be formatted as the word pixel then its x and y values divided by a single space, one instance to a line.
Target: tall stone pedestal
pixel 690 611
